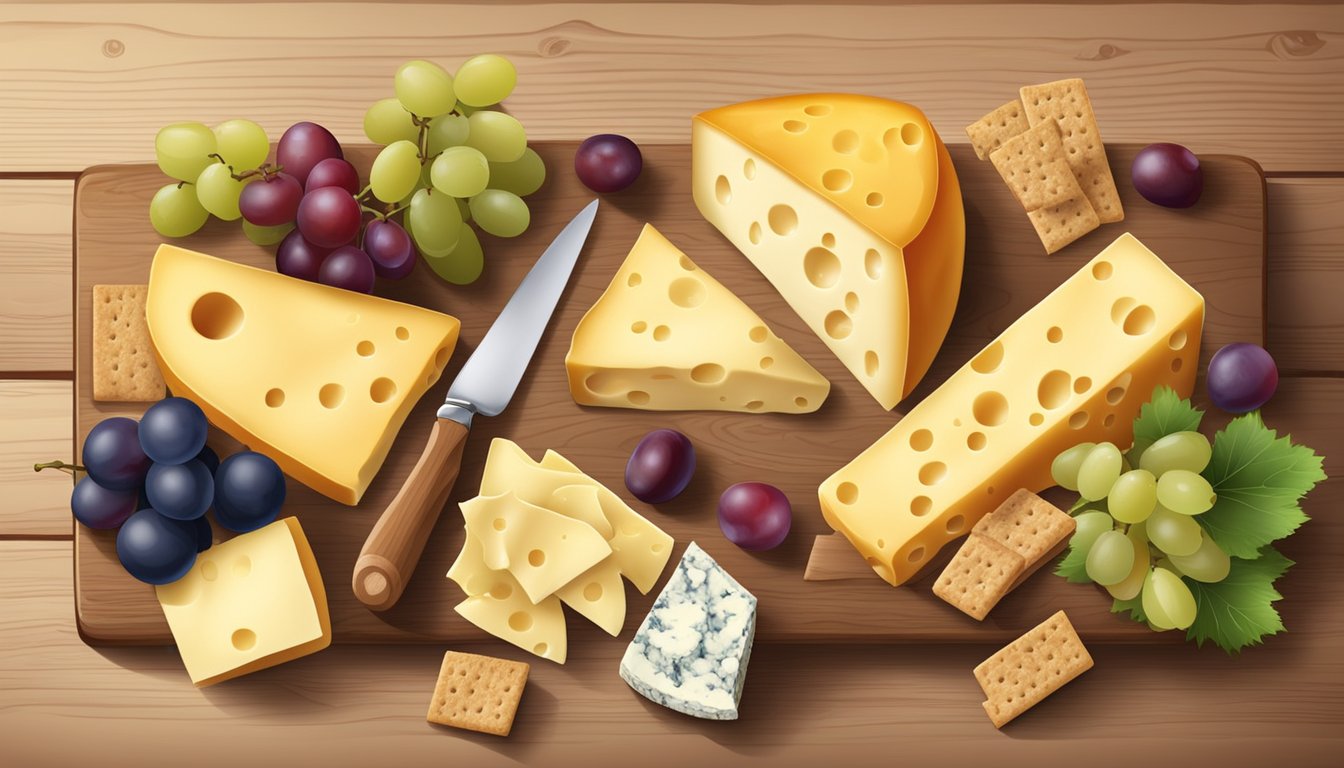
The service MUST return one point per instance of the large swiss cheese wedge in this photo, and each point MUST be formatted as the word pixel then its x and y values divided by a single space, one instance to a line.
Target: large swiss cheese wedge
pixel 1075 368
pixel 319 379
pixel 667 336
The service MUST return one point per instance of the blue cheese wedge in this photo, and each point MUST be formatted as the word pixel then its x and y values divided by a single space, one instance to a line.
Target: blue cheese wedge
pixel 691 652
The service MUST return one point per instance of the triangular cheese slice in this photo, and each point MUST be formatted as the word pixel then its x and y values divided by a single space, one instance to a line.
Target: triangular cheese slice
pixel 598 595
pixel 667 336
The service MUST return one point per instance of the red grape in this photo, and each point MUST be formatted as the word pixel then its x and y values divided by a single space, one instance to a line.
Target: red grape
pixel 1168 175
pixel 112 454
pixel 329 217
pixel 755 516
pixel 390 248
pixel 347 267
pixel 608 162
pixel 333 172
pixel 99 507
pixel 661 466
pixel 271 201
pixel 303 146
pixel 299 258
pixel 1242 377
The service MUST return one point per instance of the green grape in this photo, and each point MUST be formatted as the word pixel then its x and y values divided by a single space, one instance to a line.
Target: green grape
pixel 395 171
pixel 387 122
pixel 183 149
pixel 1173 600
pixel 1183 491
pixel 502 214
pixel 1209 564
pixel 1065 467
pixel 522 177
pixel 447 131
pixel 218 191
pixel 1172 533
pixel 242 144
pixel 1180 450
pixel 498 136
pixel 460 172
pixel 1130 587
pixel 484 80
pixel 1090 525
pixel 266 235
pixel 1099 471
pixel 435 222
pixel 1133 496
pixel 1110 559
pixel 176 212
pixel 424 88
pixel 464 208
pixel 463 264
pixel 1157 617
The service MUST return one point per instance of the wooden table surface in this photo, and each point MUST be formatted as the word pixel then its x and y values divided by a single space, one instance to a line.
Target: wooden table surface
pixel 91 83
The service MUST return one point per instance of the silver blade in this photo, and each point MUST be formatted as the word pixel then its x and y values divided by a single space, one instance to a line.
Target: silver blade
pixel 490 376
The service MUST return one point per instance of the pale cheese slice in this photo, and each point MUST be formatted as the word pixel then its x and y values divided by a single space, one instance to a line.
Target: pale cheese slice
pixel 598 595
pixel 581 503
pixel 497 604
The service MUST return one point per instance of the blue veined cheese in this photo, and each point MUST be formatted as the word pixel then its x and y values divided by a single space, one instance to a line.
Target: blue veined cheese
pixel 691 652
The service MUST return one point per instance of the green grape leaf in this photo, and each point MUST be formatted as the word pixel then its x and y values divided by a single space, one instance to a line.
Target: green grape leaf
pixel 1073 567
pixel 1133 606
pixel 1259 478
pixel 1239 610
pixel 1166 413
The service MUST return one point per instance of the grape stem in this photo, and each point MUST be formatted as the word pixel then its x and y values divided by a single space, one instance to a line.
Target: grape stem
pixel 61 466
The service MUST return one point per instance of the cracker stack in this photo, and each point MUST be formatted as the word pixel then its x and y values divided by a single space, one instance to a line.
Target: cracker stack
pixel 124 368
pixel 1031 668
pixel 478 693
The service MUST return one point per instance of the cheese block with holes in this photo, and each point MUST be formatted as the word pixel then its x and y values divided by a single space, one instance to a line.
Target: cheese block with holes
pixel 666 335
pixel 319 379
pixel 1075 368
pixel 825 193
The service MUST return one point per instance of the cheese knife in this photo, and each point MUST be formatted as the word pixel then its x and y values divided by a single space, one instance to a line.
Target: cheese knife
pixel 483 387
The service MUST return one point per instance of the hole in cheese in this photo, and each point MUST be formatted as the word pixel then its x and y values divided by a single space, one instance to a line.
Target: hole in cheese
pixel 916 554
pixel 536 558
pixel 1139 321
pixel 1109 421
pixel 758 333
pixel 795 126
pixel 755 405
pixel 822 267
pixel 989 358
pixel 500 591
pixel 637 397
pixel 331 395
pixel 921 440
pixel 604 383
pixel 216 316
pixel 1053 390
pixel 754 233
pixel 209 571
pixel 976 441
pixel 1102 270
pixel 873 200
pixel 500 524
pixel 382 389
pixel 933 473
pixel 847 493
pixel 911 134
pixel 1035 419
pixel 540 649
pixel 593 592
pixel 1078 420
pixel 686 292
pixel 639 326
pixel 634 279
pixel 661 332
pixel 1082 384
pixel 686 263
pixel 1118 388
pixel 838 325
pixel 1177 340
pixel 990 408
pixel 275 397
pixel 1121 308
pixel 708 373
pixel 244 639
pixel 837 179
pixel 520 621
pixel 956 523
pixel 818 110
pixel 723 191
pixel 852 302
pixel 872 264
pixel 364 348
pixel 1055 334
pixel 846 142
pixel 441 356
pixel 783 220
pixel 801 402
pixel 749 169
pixel 921 506
pixel 403 333
pixel 870 363
pixel 766 362
pixel 1176 365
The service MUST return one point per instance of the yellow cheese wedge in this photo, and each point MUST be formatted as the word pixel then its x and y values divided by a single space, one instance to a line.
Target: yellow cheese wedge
pixel 598 595
pixel 667 336
pixel 1075 368
pixel 317 378
pixel 497 604
pixel 249 603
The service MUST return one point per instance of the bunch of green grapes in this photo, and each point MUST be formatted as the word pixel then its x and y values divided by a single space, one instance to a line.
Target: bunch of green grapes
pixel 1137 528
pixel 450 158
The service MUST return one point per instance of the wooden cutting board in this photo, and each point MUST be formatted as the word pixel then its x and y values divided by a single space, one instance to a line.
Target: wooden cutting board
pixel 1218 246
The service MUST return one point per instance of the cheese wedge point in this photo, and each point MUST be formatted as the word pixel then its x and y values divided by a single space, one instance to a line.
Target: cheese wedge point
pixel 667 336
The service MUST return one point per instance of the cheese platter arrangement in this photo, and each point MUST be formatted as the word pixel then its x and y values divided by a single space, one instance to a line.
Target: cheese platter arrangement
pixel 819 375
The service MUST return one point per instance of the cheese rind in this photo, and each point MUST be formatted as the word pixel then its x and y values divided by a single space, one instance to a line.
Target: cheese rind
pixel 1075 368
pixel 319 379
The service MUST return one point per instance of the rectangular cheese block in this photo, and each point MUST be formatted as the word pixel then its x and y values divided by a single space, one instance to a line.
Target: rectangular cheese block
pixel 252 602
pixel 1075 368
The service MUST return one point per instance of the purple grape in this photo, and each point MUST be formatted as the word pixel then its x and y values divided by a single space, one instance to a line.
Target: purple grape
pixel 98 507
pixel 205 535
pixel 173 431
pixel 348 267
pixel 333 172
pixel 389 245
pixel 113 456
pixel 156 549
pixel 608 162
pixel 180 491
pixel 755 516
pixel 271 201
pixel 299 258
pixel 661 466
pixel 303 146
pixel 329 217
pixel 1242 377
pixel 249 493
pixel 1168 175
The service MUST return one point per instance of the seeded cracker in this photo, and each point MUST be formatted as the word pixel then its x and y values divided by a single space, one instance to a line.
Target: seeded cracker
pixel 1059 225
pixel 124 369
pixel 978 576
pixel 1066 101
pixel 1031 668
pixel 1026 524
pixel 991 131
pixel 1034 167
pixel 478 693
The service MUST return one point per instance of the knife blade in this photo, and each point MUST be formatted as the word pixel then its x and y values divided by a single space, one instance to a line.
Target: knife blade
pixel 484 386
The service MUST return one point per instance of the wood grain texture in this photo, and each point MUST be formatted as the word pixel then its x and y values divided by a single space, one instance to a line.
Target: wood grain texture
pixel 35 426
pixel 35 308
pixel 1217 246
pixel 1265 80
pixel 1306 267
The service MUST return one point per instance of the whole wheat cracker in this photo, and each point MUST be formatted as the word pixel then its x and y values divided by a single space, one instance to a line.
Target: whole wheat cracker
pixel 979 575
pixel 1067 102
pixel 478 693
pixel 1027 670
pixel 991 131
pixel 1059 225
pixel 124 368
pixel 1026 524
pixel 1034 167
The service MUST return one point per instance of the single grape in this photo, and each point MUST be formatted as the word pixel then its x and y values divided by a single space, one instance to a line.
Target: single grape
pixel 1065 467
pixel 395 171
pixel 522 177
pixel 1090 525
pixel 180 491
pixel 484 80
pixel 1180 450
pixel 303 146
pixel 434 222
pixel 390 248
pixel 1173 533
pixel 460 172
pixel 218 191
pixel 299 258
pixel 102 508
pixel 424 88
pixel 1168 175
pixel 755 516
pixel 271 201
pixel 502 214
pixel 387 122
pixel 175 211
pixel 447 131
pixel 1185 492
pixel 173 431
pixel 183 150
pixel 347 267
pixel 112 454
pixel 1157 616
pixel 1209 564
pixel 1242 377
pixel 608 162
pixel 1177 604
pixel 249 491
pixel 333 172
pixel 329 217
pixel 1133 497
pixel 156 549
pixel 498 136
pixel 1130 587
pixel 266 235
pixel 1099 471
pixel 209 458
pixel 205 535
pixel 661 466
pixel 1110 559
pixel 242 143
pixel 463 263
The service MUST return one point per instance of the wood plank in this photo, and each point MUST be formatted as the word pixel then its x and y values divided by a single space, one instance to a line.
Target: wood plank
pixel 1154 71
pixel 35 426
pixel 35 269
pixel 1218 247
pixel 1306 266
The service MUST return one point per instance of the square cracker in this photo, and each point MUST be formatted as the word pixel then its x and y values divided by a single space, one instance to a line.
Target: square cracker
pixel 1059 225
pixel 1066 102
pixel 991 131
pixel 124 368
pixel 478 693
pixel 1026 524
pixel 1031 668
pixel 1033 166
pixel 979 575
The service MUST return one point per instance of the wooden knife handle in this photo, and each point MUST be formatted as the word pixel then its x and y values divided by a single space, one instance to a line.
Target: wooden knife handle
pixel 394 545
